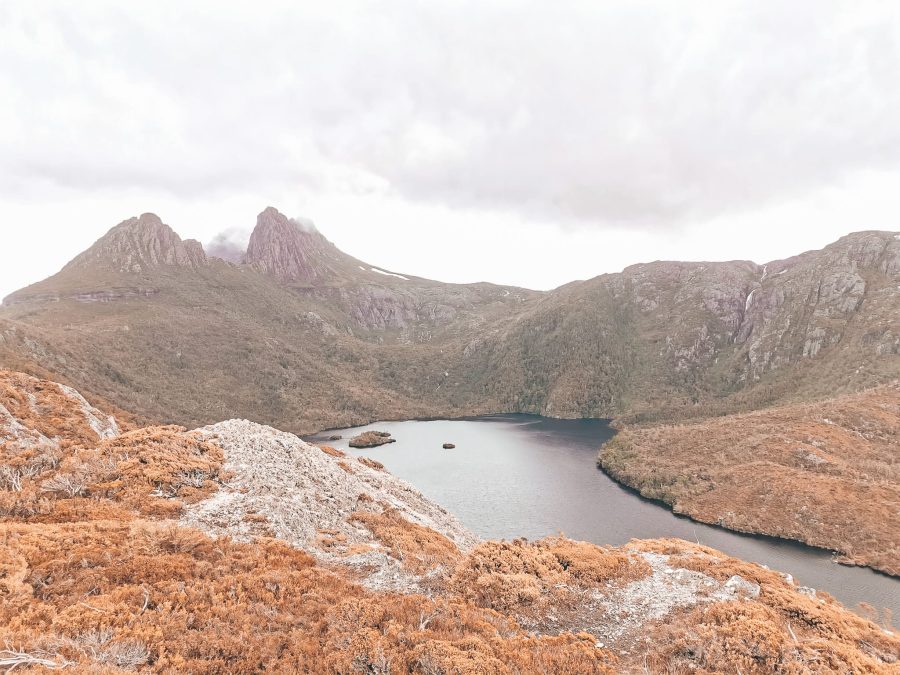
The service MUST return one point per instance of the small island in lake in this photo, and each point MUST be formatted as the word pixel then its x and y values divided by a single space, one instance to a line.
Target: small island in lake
pixel 371 439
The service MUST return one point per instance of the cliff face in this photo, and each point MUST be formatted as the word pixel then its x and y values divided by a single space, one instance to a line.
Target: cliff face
pixel 669 339
pixel 291 251
pixel 809 303
pixel 162 328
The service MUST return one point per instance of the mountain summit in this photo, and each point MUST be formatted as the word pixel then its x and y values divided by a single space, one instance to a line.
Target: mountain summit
pixel 138 244
pixel 304 336
pixel 284 248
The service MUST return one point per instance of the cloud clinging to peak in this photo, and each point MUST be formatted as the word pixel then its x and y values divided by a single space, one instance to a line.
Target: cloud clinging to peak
pixel 229 244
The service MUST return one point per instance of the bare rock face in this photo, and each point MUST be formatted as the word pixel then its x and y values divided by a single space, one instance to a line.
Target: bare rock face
pixel 35 412
pixel 138 244
pixel 806 304
pixel 290 250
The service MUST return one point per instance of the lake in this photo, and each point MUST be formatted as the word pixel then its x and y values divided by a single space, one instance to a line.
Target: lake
pixel 528 476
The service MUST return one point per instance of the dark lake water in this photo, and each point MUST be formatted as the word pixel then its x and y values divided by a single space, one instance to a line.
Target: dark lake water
pixel 527 476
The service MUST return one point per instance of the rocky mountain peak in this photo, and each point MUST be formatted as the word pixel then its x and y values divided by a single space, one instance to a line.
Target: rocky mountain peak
pixel 867 249
pixel 290 250
pixel 138 244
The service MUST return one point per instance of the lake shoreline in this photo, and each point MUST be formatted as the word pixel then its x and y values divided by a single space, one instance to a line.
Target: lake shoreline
pixel 533 477
pixel 611 422
pixel 762 536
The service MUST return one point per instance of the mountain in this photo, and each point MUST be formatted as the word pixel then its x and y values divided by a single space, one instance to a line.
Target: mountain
pixel 241 548
pixel 140 244
pixel 670 339
pixel 303 336
pixel 295 253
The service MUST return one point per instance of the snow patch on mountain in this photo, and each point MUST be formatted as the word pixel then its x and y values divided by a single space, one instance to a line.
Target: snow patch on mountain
pixel 389 274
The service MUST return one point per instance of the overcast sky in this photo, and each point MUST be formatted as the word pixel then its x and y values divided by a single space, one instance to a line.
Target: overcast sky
pixel 519 142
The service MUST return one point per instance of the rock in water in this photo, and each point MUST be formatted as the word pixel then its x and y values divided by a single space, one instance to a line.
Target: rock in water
pixel 371 439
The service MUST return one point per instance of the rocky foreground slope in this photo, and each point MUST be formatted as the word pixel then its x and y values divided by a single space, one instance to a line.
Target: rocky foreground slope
pixel 239 548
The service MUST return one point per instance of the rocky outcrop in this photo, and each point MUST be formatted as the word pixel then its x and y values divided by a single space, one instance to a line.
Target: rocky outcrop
pixel 313 499
pixel 139 244
pixel 39 412
pixel 371 439
pixel 290 250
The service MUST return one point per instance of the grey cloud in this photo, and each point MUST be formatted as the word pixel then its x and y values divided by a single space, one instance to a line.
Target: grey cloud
pixel 230 244
pixel 638 114
pixel 305 224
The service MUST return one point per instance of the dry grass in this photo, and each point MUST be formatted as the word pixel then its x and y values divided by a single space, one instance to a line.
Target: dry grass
pixel 781 631
pixel 141 594
pixel 334 452
pixel 371 463
pixel 152 471
pixel 419 548
pixel 827 473
pixel 520 575
pixel 90 583
pixel 42 405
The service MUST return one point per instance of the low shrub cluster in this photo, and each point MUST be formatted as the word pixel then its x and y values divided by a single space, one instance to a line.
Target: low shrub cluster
pixel 152 471
pixel 524 576
pixel 144 594
pixel 419 548
pixel 783 631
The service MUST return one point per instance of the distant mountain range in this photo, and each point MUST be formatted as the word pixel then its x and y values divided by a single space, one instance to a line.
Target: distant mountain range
pixel 299 335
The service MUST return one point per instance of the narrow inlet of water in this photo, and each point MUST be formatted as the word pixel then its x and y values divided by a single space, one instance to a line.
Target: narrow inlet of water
pixel 528 476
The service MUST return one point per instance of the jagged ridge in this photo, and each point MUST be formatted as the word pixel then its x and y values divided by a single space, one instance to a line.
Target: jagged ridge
pixel 657 341
pixel 138 244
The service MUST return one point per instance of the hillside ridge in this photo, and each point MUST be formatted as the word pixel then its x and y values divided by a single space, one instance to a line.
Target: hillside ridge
pixel 142 318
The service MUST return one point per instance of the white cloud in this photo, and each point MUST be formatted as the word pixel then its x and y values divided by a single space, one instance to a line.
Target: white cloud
pixel 538 127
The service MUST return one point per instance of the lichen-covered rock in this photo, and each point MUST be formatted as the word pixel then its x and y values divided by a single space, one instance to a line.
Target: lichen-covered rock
pixel 35 411
pixel 312 499
pixel 737 585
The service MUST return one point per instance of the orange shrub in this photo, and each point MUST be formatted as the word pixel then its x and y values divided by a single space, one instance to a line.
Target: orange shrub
pixel 419 548
pixel 173 600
